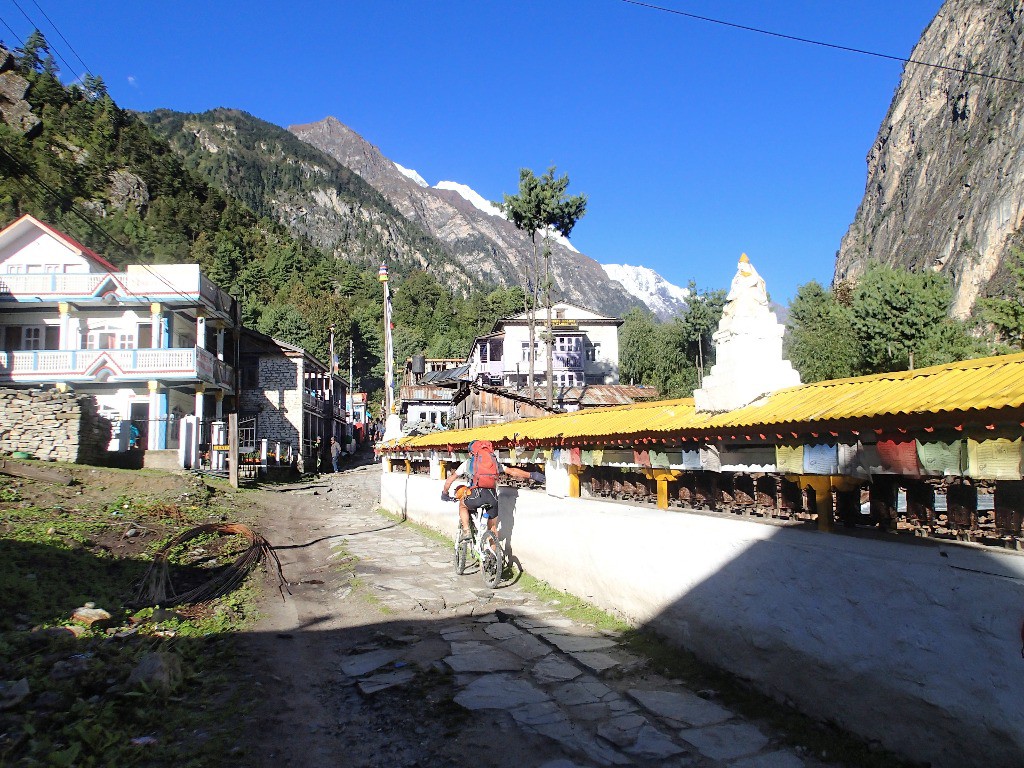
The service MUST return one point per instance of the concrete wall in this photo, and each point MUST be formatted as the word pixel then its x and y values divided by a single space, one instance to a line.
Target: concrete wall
pixel 53 426
pixel 918 647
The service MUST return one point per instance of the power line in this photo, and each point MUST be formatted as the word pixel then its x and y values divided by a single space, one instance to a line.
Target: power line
pixel 61 35
pixel 16 37
pixel 833 46
pixel 36 27
pixel 27 171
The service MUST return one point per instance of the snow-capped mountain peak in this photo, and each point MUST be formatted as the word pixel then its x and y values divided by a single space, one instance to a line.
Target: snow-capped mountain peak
pixel 480 202
pixel 662 297
pixel 409 173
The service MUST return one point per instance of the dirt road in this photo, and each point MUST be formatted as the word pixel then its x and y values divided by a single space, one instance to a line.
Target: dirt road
pixel 381 656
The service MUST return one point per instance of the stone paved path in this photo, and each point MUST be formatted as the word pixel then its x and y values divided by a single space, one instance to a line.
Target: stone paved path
pixel 514 656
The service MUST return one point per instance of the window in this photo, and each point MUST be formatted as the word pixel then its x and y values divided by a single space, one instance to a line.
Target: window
pixel 526 350
pixel 433 417
pixel 423 415
pixel 107 338
pixel 31 337
pixel 484 350
pixel 594 352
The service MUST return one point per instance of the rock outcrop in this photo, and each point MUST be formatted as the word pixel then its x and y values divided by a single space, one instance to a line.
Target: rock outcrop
pixel 14 110
pixel 945 187
pixel 486 246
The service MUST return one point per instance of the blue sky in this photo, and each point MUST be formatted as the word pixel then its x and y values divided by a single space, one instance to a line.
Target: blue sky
pixel 694 142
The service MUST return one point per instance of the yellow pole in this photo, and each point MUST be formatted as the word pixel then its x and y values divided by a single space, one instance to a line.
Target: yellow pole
pixel 574 482
pixel 444 470
pixel 408 467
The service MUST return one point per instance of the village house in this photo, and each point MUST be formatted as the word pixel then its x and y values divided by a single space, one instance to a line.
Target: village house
pixel 151 343
pixel 291 398
pixel 159 347
pixel 585 349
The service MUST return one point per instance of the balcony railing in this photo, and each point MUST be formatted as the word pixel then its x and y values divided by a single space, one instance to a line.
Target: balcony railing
pixel 164 283
pixel 315 402
pixel 561 361
pixel 86 365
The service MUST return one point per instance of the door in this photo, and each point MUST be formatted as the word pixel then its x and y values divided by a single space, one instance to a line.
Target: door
pixel 139 426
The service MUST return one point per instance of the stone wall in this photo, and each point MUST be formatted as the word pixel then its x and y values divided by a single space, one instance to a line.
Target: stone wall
pixel 53 426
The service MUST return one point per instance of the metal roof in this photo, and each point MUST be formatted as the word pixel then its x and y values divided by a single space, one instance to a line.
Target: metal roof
pixel 985 384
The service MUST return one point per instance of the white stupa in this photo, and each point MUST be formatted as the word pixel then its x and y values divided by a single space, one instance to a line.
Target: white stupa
pixel 748 348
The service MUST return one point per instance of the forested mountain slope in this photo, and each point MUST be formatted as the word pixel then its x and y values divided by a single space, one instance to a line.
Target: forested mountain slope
pixel 72 158
pixel 308 192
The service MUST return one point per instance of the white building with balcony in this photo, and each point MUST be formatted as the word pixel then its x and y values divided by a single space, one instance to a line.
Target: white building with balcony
pixel 151 343
pixel 584 345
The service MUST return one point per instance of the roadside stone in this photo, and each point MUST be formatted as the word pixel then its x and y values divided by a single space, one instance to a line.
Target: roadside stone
pixel 88 614
pixel 474 656
pixel 498 691
pixel 157 671
pixel 385 680
pixel 596 661
pixel 364 663
pixel 726 742
pixel 574 643
pixel 622 731
pixel 681 707
pixel 552 669
pixel 70 668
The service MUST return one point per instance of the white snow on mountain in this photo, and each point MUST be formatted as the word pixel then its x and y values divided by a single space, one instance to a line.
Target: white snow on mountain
pixel 480 202
pixel 411 174
pixel 662 297
pixel 472 196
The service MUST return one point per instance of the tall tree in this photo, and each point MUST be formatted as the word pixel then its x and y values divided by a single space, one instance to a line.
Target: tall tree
pixel 821 342
pixel 901 320
pixel 638 347
pixel 542 207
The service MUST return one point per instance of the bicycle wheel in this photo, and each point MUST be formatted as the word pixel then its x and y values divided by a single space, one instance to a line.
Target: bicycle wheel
pixel 461 552
pixel 492 563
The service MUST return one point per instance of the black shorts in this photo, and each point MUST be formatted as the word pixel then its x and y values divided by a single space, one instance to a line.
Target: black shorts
pixel 483 497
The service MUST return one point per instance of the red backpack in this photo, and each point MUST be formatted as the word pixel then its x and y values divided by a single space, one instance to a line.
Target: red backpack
pixel 483 464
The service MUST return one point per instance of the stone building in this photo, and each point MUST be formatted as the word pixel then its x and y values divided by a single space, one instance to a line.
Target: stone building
pixel 293 397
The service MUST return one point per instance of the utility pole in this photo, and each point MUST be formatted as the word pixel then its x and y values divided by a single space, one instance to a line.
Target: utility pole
pixel 350 406
pixel 389 352
pixel 550 337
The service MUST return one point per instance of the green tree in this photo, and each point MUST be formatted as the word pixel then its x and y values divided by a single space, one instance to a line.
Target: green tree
pixel 820 341
pixel 901 321
pixel 541 207
pixel 638 347
pixel 1005 313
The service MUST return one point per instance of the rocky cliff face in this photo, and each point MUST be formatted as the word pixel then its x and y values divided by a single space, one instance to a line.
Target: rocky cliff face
pixel 945 188
pixel 487 246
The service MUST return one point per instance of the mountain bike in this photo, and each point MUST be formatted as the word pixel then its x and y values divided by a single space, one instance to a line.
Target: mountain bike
pixel 483 547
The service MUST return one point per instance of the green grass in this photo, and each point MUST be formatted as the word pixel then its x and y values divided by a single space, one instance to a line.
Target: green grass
pixel 56 559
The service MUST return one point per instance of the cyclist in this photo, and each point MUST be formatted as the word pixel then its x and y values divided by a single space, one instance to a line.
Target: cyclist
pixel 471 497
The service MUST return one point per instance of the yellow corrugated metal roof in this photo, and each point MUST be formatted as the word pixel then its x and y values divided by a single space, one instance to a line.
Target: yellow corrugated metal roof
pixel 985 384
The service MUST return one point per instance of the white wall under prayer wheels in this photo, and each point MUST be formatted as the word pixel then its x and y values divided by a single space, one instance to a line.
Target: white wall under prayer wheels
pixel 918 647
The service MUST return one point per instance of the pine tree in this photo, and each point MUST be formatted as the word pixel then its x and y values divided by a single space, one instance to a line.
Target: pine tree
pixel 543 206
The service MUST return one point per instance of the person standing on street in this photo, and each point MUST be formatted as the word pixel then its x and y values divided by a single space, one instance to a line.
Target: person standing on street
pixel 335 453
